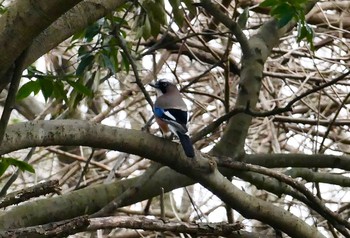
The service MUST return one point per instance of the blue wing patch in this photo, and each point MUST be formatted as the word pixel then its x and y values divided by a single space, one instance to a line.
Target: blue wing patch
pixel 158 112
pixel 174 117
pixel 171 114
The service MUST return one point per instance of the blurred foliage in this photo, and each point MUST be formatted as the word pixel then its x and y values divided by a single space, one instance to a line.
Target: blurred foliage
pixel 285 11
pixel 98 53
pixel 6 162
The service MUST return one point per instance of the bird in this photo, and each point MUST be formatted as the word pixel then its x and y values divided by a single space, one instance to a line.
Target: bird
pixel 171 115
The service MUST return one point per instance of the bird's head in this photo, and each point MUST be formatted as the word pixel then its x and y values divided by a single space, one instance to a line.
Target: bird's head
pixel 164 86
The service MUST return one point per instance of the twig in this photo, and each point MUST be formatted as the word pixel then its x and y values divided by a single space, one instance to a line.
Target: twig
pixel 215 124
pixel 78 158
pixel 11 96
pixel 203 229
pixel 27 193
pixel 332 122
pixel 130 192
pixel 162 208
pixel 14 176
pixel 54 229
pixel 75 225
pixel 212 9
pixel 118 162
pixel 194 205
pixel 86 166
pixel 123 45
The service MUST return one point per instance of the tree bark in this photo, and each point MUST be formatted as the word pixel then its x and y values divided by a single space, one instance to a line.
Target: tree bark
pixel 204 171
pixel 22 22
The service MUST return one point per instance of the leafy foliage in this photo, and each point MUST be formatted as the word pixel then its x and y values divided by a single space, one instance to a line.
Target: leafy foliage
pixel 6 162
pixel 50 85
pixel 3 9
pixel 285 11
pixel 192 47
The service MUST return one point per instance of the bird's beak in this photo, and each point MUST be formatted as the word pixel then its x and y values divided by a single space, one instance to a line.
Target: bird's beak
pixel 153 85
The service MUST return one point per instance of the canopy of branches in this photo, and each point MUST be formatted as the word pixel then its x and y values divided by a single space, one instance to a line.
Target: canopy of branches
pixel 266 87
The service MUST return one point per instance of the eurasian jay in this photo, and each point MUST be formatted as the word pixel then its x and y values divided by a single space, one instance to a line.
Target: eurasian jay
pixel 170 112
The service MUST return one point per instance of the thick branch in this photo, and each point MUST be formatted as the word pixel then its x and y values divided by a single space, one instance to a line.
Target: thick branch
pixel 76 19
pixel 84 133
pixel 23 21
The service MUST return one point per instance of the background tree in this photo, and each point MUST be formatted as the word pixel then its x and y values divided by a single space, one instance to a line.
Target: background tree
pixel 266 84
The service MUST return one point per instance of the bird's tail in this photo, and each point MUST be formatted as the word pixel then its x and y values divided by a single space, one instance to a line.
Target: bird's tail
pixel 186 144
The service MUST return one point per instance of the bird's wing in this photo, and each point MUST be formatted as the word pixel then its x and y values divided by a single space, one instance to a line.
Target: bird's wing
pixel 176 118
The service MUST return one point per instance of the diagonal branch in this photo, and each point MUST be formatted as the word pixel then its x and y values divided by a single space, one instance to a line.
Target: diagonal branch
pixel 21 23
pixel 204 171
pixel 316 203
pixel 131 191
pixel 11 96
pixel 215 11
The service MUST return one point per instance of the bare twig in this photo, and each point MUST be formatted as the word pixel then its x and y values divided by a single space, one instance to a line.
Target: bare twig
pixel 215 124
pixel 27 193
pixel 54 229
pixel 131 191
pixel 11 96
pixel 86 166
pixel 211 8
pixel 139 83
pixel 204 229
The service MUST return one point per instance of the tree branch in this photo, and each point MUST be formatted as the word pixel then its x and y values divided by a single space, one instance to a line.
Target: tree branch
pixel 233 26
pixel 21 23
pixel 317 204
pixel 204 171
pixel 25 194
pixel 134 222
pixel 75 225
pixel 11 95
pixel 54 229
pixel 131 191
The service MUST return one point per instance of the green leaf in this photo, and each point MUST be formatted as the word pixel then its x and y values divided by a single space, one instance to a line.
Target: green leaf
pixel 155 28
pixel 146 29
pixel 3 9
pixel 6 162
pixel 83 51
pixel 126 62
pixel 107 61
pixel 59 91
pixel 92 31
pixel 158 11
pixel 3 166
pixel 243 18
pixel 177 12
pixel 305 32
pixel 27 89
pixel 285 19
pixel 282 9
pixel 78 35
pixel 33 72
pixel 46 86
pixel 79 87
pixel 20 164
pixel 190 6
pixel 85 62
pixel 155 18
pixel 269 3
